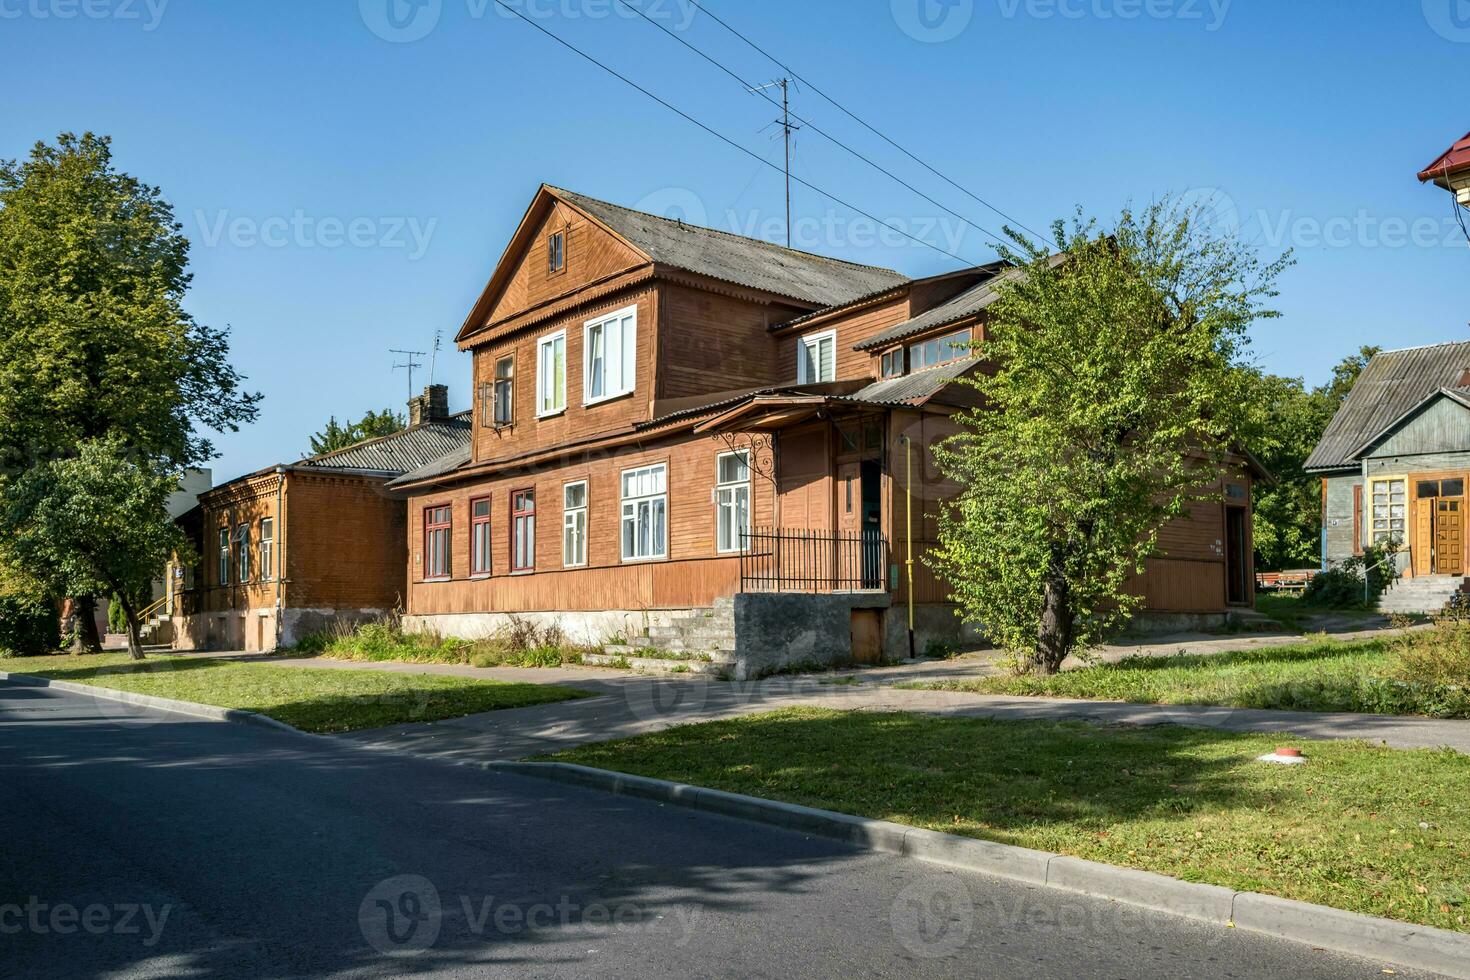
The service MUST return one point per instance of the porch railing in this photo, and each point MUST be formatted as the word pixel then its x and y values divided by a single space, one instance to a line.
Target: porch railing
pixel 801 560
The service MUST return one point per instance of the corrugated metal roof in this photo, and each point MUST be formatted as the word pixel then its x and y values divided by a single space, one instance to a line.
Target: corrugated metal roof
pixel 913 388
pixel 400 452
pixel 445 464
pixel 967 303
pixel 1391 385
pixel 735 258
pixel 1455 159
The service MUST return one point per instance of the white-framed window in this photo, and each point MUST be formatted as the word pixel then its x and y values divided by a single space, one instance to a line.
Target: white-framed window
pixel 242 538
pixel 574 524
pixel 480 536
pixel 267 549
pixel 732 499
pixel 224 556
pixel 1388 509
pixel 939 350
pixel 816 358
pixel 551 374
pixel 610 356
pixel 645 513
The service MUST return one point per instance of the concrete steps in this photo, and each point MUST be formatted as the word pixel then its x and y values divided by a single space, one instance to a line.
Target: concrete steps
pixel 700 641
pixel 1425 595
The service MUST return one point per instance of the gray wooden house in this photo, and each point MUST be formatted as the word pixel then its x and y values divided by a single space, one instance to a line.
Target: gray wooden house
pixel 1394 463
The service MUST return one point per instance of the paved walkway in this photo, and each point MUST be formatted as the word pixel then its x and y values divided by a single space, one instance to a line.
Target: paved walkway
pixel 627 704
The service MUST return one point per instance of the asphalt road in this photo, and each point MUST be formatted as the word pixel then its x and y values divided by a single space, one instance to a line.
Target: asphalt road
pixel 136 844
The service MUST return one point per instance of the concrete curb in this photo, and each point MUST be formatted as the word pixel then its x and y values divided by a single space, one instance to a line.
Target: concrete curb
pixel 208 712
pixel 1401 943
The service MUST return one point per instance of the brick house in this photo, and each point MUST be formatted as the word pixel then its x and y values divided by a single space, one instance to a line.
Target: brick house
pixel 693 440
pixel 288 549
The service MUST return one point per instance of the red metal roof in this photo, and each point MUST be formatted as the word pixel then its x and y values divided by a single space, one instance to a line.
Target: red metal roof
pixel 1453 160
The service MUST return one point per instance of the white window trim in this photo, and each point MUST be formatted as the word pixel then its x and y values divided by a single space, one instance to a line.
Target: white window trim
pixel 801 345
pixel 541 344
pixel 586 510
pixel 663 553
pixel 749 498
pixel 267 555
pixel 1368 537
pixel 587 326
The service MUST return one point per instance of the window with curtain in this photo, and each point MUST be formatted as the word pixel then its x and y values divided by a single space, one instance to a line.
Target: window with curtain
pixel 551 374
pixel 732 499
pixel 480 536
pixel 574 525
pixel 645 513
pixel 523 531
pixel 611 355
pixel 438 528
pixel 816 358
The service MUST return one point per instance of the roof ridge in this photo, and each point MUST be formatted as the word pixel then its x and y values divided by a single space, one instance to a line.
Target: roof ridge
pixel 729 234
pixel 1405 350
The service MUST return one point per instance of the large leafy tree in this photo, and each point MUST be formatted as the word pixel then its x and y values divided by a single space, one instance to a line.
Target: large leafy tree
pixel 371 426
pixel 90 523
pixel 94 341
pixel 1111 396
pixel 1290 420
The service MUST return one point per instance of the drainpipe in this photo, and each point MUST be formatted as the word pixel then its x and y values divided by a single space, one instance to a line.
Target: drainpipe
pixel 908 521
pixel 279 547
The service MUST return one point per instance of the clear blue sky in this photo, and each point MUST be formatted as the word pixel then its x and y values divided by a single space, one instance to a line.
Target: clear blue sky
pixel 269 122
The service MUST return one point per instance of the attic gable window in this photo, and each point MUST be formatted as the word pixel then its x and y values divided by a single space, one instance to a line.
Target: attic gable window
pixel 816 358
pixel 556 252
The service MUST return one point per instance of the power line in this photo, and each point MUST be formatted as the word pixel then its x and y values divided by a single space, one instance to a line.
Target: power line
pixel 784 107
pixel 723 138
pixel 866 125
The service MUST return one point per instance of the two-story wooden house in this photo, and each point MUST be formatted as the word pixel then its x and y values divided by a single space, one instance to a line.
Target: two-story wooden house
pixel 690 440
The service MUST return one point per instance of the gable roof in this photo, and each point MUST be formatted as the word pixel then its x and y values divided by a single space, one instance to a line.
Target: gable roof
pixel 1460 396
pixel 966 304
pixel 1453 160
pixel 400 452
pixel 733 258
pixel 1392 385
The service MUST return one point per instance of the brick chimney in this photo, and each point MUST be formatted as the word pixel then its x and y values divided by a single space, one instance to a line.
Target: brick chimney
pixel 431 406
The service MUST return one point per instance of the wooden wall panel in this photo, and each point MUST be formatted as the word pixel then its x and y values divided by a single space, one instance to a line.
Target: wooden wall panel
pixel 851 329
pixel 591 254
pixel 709 342
pixel 693 574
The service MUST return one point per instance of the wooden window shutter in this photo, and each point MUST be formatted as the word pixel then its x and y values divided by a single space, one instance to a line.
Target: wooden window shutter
pixel 1358 519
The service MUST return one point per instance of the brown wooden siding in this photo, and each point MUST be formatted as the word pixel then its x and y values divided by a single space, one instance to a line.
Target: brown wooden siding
pixel 710 342
pixel 692 574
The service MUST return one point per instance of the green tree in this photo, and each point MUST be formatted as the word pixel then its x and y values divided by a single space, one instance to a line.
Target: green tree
pixel 1289 422
pixel 93 523
pixel 1111 395
pixel 94 341
pixel 371 426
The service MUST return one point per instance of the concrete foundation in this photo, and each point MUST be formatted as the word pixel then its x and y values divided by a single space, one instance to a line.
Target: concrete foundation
pixel 255 630
pixel 1163 623
pixel 592 629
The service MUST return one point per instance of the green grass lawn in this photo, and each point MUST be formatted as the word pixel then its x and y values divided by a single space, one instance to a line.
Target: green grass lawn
pixel 1373 830
pixel 312 699
pixel 1318 675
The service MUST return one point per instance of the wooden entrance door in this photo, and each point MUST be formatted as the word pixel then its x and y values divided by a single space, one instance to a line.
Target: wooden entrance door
pixel 1423 551
pixel 1449 536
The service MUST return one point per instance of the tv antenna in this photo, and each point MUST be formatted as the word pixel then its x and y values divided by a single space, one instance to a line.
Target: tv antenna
pixel 408 364
pixel 434 360
pixel 787 129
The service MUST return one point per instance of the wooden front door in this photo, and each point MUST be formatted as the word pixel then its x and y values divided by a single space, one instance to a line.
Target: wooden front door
pixel 1423 550
pixel 1449 536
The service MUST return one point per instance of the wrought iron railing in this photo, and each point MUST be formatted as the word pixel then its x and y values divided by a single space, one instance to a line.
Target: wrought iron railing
pixel 802 560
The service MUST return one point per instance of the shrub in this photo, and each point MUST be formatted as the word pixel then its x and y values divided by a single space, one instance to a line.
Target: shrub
pixel 519 644
pixel 1341 586
pixel 28 626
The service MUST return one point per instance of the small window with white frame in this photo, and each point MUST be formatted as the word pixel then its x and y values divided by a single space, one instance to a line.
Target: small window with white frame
pixel 574 525
pixel 242 540
pixel 1388 513
pixel 645 529
pixel 939 350
pixel 732 500
pixel 224 556
pixel 816 358
pixel 551 374
pixel 610 353
pixel 267 549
